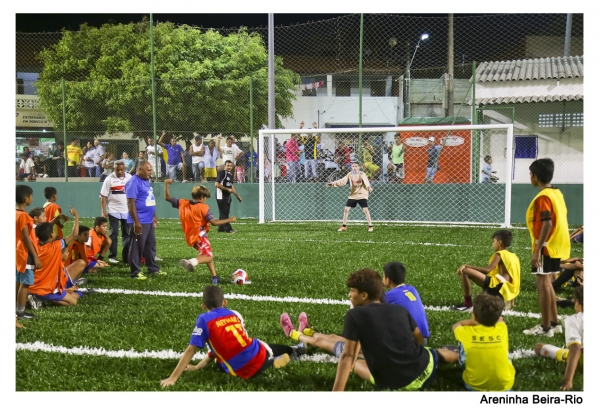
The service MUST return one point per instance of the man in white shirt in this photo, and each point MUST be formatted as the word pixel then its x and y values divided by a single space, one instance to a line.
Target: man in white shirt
pixel 99 154
pixel 113 203
pixel 229 152
pixel 28 168
pixel 152 151
pixel 88 159
pixel 197 153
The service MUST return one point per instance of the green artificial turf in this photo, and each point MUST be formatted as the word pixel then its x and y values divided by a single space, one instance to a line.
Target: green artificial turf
pixel 299 260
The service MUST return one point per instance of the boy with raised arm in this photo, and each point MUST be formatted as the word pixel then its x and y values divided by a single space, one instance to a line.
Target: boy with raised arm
pixel 224 332
pixel 501 277
pixel 196 219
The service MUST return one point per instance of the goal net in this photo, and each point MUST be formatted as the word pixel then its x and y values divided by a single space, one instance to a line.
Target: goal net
pixel 425 174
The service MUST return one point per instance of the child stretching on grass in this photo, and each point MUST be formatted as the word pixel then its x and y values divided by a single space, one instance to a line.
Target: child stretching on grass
pixel 27 258
pixel 573 353
pixel 53 282
pixel 196 220
pixel 483 347
pixel 360 187
pixel 502 276
pixel 224 332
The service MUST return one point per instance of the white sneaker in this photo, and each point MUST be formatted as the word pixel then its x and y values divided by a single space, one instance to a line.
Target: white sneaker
pixel 557 329
pixel 113 260
pixel 538 330
pixel 187 265
pixel 156 258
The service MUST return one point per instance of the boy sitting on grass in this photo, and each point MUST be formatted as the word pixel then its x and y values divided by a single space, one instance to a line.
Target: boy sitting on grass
pixel 502 276
pixel 483 347
pixel 77 250
pixel 98 242
pixel 224 332
pixel 53 282
pixel 573 353
pixel 196 220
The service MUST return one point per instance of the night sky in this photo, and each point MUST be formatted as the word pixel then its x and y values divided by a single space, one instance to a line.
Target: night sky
pixel 33 23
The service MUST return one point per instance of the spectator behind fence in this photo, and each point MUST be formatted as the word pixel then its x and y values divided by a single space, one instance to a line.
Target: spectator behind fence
pixel 342 155
pixel 141 156
pixel 40 167
pixel 292 157
pixel 26 168
pixel 99 153
pixel 211 154
pixel 129 163
pixel 176 158
pixel 197 151
pixel 74 154
pixel 230 151
pixel 107 165
pixel 58 157
pixel 152 151
pixel 311 143
pixel 88 160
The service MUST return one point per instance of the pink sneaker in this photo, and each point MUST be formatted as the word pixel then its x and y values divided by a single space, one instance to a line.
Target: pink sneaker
pixel 286 324
pixel 302 322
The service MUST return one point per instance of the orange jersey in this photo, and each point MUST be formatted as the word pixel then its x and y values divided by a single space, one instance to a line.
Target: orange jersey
pixel 94 244
pixel 51 277
pixel 542 211
pixel 23 220
pixel 194 217
pixel 53 210
pixel 76 251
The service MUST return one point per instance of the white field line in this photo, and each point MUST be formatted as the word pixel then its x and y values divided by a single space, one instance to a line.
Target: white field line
pixel 290 299
pixel 175 355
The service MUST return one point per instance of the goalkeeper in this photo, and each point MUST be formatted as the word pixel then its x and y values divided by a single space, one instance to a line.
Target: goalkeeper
pixel 360 187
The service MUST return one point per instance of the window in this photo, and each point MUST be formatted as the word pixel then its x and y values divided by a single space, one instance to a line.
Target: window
pixel 560 119
pixel 577 119
pixel 546 120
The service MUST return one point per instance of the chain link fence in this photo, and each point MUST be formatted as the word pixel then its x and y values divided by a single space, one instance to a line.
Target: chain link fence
pixel 497 68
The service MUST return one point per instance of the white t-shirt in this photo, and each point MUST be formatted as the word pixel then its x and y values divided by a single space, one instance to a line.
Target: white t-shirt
pixel 90 154
pixel 27 165
pixel 197 159
pixel 113 188
pixel 99 151
pixel 574 329
pixel 151 151
pixel 230 153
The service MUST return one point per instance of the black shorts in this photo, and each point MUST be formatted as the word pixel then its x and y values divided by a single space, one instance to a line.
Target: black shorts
pixel 362 203
pixel 495 291
pixel 547 266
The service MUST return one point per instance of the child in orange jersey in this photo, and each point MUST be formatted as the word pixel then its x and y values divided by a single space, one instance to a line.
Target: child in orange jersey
pixel 196 220
pixel 79 250
pixel 53 210
pixel 53 282
pixel 26 253
pixel 99 242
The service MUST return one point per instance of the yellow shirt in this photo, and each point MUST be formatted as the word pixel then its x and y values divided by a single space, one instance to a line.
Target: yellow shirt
pixel 487 366
pixel 509 290
pixel 558 244
pixel 74 154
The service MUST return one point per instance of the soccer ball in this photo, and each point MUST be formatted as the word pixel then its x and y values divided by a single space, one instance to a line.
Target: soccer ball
pixel 240 277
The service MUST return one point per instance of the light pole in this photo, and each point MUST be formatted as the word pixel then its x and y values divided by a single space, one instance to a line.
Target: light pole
pixel 423 37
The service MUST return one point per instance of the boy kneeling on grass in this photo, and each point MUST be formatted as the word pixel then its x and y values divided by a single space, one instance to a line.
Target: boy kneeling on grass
pixel 502 276
pixel 224 332
pixel 53 282
pixel 573 353
pixel 483 347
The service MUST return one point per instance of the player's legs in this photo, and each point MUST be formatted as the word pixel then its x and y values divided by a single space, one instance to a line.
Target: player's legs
pixel 70 299
pixel 446 356
pixel 125 241
pixel 368 215
pixel 346 212
pixel 149 249
pixel 224 207
pixel 544 297
pixel 105 246
pixel 114 235
pixel 75 270
pixel 361 369
pixel 469 275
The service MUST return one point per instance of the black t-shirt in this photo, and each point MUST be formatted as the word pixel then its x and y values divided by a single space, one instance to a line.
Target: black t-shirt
pixel 226 180
pixel 385 334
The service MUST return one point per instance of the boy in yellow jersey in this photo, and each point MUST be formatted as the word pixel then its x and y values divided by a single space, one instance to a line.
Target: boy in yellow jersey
pixel 483 347
pixel 502 276
pixel 546 220
pixel 573 353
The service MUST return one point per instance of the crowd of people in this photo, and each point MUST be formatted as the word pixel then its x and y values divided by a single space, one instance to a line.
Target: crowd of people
pixel 386 335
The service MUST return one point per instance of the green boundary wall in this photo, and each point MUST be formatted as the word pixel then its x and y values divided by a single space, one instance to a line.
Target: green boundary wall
pixel 408 203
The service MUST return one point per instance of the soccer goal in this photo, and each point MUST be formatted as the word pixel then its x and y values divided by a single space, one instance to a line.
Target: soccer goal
pixel 424 174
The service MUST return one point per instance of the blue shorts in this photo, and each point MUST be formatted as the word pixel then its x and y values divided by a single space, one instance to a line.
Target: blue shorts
pixel 54 296
pixel 338 348
pixel 26 278
pixel 90 266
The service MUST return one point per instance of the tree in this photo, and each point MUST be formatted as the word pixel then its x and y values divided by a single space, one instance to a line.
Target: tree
pixel 202 79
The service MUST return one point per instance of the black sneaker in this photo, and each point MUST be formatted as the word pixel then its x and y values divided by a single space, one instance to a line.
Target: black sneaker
pixel 25 315
pixel 462 308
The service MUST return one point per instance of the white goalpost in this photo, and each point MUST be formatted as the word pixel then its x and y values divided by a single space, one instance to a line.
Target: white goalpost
pixel 458 174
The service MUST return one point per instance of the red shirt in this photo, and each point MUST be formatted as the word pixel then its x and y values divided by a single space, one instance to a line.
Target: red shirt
pixel 291 150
